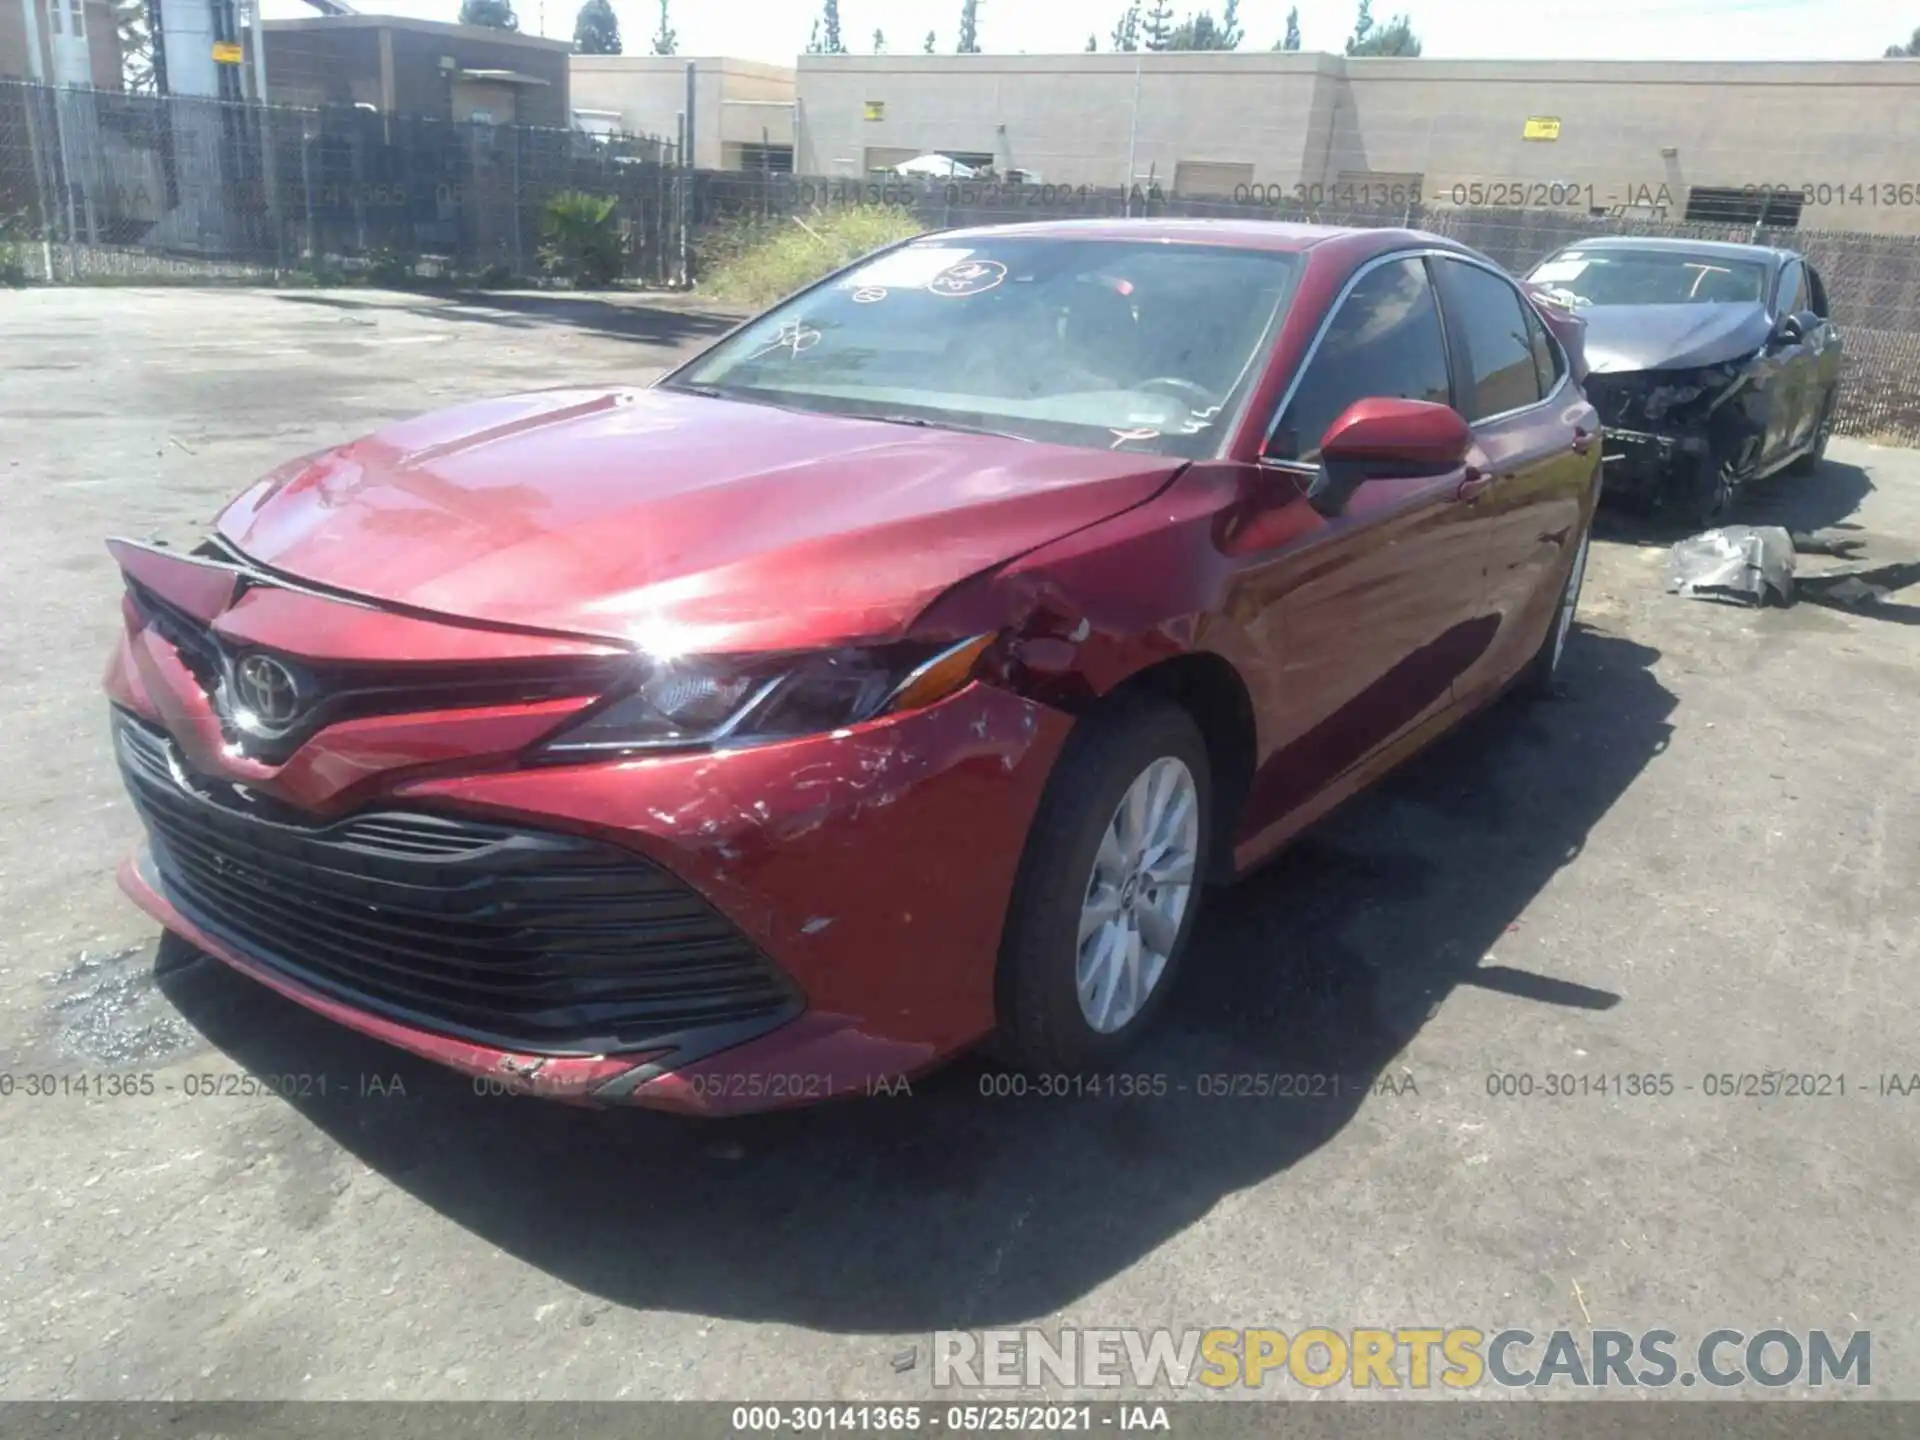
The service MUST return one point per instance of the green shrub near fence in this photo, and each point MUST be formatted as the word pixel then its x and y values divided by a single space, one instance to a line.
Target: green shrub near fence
pixel 580 238
pixel 755 260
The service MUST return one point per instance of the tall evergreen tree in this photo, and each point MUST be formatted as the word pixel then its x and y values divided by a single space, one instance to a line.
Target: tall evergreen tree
pixel 494 14
pixel 1157 25
pixel 879 41
pixel 830 41
pixel 1126 32
pixel 969 28
pixel 665 40
pixel 1396 37
pixel 596 29
pixel 1291 41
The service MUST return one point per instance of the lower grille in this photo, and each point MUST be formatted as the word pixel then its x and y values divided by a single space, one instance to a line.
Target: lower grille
pixel 533 940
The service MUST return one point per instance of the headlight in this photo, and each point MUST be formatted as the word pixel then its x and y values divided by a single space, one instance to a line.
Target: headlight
pixel 693 702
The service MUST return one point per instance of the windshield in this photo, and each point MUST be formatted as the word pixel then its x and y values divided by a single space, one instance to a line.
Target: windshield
pixel 1652 277
pixel 1124 345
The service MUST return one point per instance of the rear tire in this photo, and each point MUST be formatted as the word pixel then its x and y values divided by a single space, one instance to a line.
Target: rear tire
pixel 1541 677
pixel 1108 889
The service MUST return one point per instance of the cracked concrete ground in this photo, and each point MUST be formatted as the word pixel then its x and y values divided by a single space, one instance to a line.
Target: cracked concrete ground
pixel 1703 861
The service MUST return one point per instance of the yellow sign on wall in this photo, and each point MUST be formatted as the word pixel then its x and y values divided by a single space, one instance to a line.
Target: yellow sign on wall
pixel 1541 127
pixel 225 52
pixel 876 109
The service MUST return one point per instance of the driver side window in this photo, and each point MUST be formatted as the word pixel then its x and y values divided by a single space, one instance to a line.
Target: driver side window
pixel 1384 340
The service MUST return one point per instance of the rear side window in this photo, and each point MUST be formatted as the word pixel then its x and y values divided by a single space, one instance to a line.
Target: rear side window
pixel 1490 318
pixel 1384 340
pixel 1819 292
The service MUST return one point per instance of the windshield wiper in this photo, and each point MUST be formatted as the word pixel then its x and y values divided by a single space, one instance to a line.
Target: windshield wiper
pixel 921 422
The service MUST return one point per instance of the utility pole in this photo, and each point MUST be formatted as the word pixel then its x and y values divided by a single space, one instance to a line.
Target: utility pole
pixel 1133 136
pixel 28 10
pixel 60 137
pixel 269 162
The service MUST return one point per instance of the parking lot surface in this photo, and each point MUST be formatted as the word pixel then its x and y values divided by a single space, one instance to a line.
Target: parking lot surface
pixel 1702 861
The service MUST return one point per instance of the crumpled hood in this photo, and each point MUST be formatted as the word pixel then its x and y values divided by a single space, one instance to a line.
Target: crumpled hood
pixel 673 521
pixel 1671 337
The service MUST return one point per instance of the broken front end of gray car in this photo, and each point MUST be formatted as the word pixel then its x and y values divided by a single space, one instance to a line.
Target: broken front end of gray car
pixel 1682 440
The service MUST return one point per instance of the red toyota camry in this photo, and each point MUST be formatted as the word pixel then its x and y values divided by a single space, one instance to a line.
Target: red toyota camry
pixel 893 676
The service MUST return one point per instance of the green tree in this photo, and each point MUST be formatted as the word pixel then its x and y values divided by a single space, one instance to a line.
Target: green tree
pixel 494 14
pixel 830 41
pixel 596 29
pixel 1093 43
pixel 928 47
pixel 1126 33
pixel 1908 51
pixel 1291 40
pixel 1396 37
pixel 1158 25
pixel 879 41
pixel 665 40
pixel 1202 32
pixel 969 28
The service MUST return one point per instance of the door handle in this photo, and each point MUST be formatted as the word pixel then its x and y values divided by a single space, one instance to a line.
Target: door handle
pixel 1474 486
pixel 1582 441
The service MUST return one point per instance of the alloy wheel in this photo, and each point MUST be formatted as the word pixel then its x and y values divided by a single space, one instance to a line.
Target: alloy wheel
pixel 1142 883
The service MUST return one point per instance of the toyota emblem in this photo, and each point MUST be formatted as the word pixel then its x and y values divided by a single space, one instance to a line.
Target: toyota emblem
pixel 267 691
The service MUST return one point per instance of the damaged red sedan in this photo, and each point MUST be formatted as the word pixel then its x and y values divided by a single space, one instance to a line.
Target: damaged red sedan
pixel 894 676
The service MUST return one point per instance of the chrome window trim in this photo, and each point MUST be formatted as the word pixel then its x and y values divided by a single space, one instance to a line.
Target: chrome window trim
pixel 1422 253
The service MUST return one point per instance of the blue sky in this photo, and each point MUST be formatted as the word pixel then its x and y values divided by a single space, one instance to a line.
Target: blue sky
pixel 1558 29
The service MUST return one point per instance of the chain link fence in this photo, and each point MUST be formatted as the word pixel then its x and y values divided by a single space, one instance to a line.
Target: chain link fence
pixel 97 186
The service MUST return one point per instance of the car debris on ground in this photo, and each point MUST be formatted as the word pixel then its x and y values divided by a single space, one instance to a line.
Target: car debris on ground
pixel 1745 563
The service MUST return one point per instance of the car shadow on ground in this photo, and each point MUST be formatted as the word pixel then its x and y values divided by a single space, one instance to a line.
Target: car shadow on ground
pixel 629 319
pixel 1803 504
pixel 964 1205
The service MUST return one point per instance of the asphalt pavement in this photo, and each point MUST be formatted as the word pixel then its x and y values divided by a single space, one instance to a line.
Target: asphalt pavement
pixel 1702 861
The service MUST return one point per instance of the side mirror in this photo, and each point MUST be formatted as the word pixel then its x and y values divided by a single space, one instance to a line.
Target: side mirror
pixel 1796 327
pixel 1386 439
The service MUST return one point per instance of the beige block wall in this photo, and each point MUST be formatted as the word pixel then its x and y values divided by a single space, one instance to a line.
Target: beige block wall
pixel 1067 117
pixel 1310 118
pixel 649 92
pixel 1727 125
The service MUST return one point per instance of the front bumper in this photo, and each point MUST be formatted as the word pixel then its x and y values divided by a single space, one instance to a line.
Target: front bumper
pixel 870 868
pixel 1642 461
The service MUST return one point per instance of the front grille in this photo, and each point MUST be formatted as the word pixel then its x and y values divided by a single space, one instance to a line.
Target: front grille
pixel 337 691
pixel 532 940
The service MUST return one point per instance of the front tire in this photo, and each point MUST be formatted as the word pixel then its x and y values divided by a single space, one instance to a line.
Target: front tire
pixel 1108 889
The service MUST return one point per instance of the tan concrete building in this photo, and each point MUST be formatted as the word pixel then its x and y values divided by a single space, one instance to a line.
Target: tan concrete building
pixel 1655 139
pixel 743 110
pixel 79 43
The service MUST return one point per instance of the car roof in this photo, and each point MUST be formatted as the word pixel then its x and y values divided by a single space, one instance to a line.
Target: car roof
pixel 1719 249
pixel 1247 234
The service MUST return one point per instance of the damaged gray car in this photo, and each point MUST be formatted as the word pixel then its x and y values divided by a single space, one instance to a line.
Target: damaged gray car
pixel 1711 364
